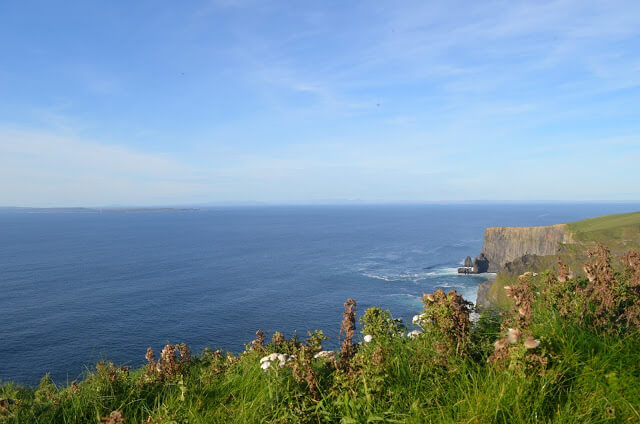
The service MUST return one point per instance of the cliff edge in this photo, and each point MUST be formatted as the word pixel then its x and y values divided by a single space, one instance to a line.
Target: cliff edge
pixel 506 244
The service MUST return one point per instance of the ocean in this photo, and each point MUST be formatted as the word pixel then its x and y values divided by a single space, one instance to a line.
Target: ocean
pixel 78 288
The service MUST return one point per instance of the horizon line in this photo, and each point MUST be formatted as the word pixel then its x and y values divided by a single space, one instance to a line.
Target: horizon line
pixel 324 203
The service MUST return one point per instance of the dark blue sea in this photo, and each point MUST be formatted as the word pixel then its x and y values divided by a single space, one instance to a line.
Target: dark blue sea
pixel 80 287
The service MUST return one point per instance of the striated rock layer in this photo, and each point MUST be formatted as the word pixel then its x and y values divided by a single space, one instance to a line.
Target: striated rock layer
pixel 506 244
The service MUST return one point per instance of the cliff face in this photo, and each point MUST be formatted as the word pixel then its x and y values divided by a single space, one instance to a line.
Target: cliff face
pixel 506 244
pixel 483 297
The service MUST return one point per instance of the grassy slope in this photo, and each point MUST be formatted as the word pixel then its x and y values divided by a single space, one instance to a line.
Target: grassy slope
pixel 618 232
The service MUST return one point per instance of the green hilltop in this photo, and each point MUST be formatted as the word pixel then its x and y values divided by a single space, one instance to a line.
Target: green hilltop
pixel 616 231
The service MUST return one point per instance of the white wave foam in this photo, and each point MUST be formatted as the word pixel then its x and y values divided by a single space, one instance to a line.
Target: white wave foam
pixel 413 276
pixel 377 277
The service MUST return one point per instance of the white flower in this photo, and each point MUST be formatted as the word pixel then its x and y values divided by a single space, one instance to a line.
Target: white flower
pixel 283 358
pixel 417 319
pixel 271 357
pixel 325 354
pixel 368 338
pixel 413 334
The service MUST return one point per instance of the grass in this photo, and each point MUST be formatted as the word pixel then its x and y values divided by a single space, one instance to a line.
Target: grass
pixel 606 222
pixel 619 232
pixel 442 376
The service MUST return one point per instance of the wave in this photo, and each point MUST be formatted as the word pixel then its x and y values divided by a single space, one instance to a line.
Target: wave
pixel 413 276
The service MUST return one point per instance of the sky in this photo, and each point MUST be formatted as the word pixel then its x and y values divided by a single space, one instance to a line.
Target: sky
pixel 200 102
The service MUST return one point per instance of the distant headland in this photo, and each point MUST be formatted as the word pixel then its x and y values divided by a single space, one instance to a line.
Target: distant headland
pixel 94 210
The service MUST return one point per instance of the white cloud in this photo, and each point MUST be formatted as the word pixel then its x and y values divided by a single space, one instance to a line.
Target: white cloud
pixel 40 169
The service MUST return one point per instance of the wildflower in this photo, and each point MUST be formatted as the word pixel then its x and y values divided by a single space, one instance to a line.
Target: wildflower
pixel 302 370
pixel 258 343
pixel 271 357
pixel 281 358
pixel 277 338
pixel 500 344
pixel 185 353
pixel 168 365
pixel 348 329
pixel 151 358
pixel 368 338
pixel 114 418
pixel 449 315
pixel 413 334
pixel 531 343
pixel 327 354
pixel 418 319
pixel 513 335
pixel 588 269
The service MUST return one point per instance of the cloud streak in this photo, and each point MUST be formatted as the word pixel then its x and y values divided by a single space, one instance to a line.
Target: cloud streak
pixel 288 102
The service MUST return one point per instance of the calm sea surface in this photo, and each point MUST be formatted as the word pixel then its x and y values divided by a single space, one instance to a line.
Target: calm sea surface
pixel 77 288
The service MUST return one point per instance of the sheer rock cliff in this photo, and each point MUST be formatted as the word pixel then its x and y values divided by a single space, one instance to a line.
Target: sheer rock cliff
pixel 506 244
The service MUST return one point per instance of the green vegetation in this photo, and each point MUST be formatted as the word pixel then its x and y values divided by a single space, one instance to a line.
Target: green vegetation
pixel 618 232
pixel 605 223
pixel 566 352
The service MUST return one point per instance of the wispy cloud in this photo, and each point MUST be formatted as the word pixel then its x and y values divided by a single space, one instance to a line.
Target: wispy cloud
pixel 41 169
pixel 273 101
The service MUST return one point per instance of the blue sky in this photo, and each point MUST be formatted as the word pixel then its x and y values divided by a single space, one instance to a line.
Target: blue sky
pixel 163 103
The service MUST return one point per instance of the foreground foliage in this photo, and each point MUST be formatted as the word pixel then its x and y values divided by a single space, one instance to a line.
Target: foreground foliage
pixel 568 351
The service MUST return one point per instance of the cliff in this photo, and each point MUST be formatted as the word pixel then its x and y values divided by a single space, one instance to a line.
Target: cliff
pixel 512 251
pixel 483 297
pixel 506 244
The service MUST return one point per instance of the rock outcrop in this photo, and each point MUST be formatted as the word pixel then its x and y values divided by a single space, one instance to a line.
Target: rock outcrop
pixel 482 298
pixel 481 263
pixel 478 265
pixel 506 244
